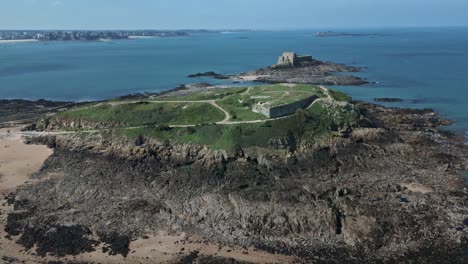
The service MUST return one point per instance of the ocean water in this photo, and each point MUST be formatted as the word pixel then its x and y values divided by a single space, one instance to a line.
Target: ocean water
pixel 426 67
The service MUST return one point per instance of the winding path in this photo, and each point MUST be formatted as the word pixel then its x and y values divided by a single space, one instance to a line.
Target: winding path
pixel 225 121
pixel 227 116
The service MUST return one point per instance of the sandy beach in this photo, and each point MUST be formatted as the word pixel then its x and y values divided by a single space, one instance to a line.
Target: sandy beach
pixel 250 78
pixel 13 41
pixel 18 160
pixel 141 37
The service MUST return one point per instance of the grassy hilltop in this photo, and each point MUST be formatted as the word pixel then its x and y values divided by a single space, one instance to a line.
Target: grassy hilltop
pixel 221 118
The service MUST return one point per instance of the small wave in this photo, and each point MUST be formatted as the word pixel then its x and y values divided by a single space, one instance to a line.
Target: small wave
pixel 466 138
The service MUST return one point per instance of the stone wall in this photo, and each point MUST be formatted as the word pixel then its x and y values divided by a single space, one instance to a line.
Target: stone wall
pixel 292 58
pixel 262 109
pixel 300 59
pixel 287 57
pixel 288 109
pixel 283 110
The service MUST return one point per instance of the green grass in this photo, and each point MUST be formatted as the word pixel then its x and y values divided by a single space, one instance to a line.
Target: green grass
pixel 211 94
pixel 282 94
pixel 137 114
pixel 151 119
pixel 239 103
pixel 240 108
pixel 304 126
pixel 339 96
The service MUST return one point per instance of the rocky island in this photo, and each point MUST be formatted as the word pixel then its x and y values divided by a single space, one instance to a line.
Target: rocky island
pixel 195 175
pixel 345 34
pixel 293 68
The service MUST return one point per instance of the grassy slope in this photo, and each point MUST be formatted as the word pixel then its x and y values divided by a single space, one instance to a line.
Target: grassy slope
pixel 136 114
pixel 303 126
pixel 280 94
pixel 339 96
pixel 240 108
pixel 240 105
pixel 212 94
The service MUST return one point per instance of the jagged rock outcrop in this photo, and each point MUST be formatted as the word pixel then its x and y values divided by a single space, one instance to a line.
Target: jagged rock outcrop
pixel 390 191
pixel 310 72
pixel 56 123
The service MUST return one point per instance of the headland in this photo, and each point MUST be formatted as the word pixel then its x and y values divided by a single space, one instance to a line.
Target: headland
pixel 202 173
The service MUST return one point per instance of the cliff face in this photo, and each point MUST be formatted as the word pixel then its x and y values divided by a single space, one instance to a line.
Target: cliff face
pixel 390 191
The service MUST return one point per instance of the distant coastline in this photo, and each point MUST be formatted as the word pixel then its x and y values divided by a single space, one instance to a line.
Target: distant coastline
pixel 141 37
pixel 7 41
pixel 13 36
pixel 346 34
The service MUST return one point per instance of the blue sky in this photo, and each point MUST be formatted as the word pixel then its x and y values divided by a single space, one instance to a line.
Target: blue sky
pixel 219 14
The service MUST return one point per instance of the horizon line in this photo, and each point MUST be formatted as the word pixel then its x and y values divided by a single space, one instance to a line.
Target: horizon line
pixel 237 29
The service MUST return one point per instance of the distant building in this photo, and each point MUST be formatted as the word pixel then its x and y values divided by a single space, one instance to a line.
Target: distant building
pixel 292 59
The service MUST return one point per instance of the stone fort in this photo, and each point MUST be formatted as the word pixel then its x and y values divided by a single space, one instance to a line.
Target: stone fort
pixel 293 59
pixel 269 111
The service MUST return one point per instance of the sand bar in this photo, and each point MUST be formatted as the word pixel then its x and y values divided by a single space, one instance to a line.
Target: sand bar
pixel 13 41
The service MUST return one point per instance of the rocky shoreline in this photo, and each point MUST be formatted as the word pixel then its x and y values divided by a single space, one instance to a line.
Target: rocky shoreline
pixel 389 191
pixel 17 112
pixel 311 72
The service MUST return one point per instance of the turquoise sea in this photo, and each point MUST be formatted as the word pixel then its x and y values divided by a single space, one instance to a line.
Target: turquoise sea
pixel 428 67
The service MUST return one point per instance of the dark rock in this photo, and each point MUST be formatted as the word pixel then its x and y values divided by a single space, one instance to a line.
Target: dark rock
pixel 57 240
pixel 337 199
pixel 311 72
pixel 388 100
pixel 209 74
pixel 117 243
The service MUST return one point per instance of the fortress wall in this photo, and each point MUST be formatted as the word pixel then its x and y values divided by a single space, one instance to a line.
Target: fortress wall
pixel 288 109
pixel 293 58
pixel 300 59
pixel 280 60
pixel 262 110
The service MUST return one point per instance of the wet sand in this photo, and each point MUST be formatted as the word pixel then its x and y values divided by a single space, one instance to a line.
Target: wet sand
pixel 18 160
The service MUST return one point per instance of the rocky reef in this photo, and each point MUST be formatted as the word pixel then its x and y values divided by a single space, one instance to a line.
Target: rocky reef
pixel 308 72
pixel 389 191
pixel 209 74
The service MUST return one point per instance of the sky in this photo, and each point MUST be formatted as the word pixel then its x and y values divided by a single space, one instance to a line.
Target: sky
pixel 230 14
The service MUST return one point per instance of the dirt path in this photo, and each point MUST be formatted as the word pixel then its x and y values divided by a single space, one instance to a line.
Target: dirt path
pixel 328 98
pixel 227 116
pixel 225 121
pixel 247 91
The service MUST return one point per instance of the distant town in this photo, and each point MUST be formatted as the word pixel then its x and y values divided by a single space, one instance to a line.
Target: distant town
pixel 86 35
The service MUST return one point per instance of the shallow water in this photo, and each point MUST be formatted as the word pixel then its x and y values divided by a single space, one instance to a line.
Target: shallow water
pixel 426 67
